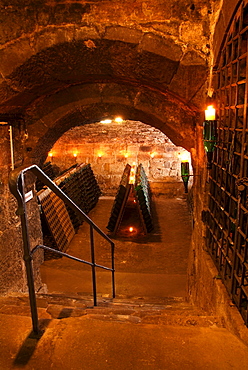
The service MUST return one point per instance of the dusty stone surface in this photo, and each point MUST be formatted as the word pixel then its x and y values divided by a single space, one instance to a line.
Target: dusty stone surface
pixel 117 344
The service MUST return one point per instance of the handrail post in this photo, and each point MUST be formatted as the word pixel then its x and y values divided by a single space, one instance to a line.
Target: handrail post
pixel 27 256
pixel 93 267
pixel 17 187
pixel 113 268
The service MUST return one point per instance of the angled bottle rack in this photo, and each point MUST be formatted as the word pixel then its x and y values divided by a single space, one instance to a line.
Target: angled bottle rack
pixel 59 221
pixel 132 200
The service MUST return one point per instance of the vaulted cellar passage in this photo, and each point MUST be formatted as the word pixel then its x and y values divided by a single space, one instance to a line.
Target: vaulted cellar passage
pixel 149 263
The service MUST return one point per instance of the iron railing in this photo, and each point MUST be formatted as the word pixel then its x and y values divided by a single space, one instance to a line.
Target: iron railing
pixel 17 187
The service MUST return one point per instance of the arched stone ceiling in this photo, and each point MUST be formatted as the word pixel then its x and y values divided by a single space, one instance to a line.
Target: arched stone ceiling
pixel 68 65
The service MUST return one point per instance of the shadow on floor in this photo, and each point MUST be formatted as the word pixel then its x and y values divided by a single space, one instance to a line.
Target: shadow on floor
pixel 28 347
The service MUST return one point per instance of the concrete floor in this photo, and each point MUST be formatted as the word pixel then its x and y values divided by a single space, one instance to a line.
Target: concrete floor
pixel 138 333
pixel 154 265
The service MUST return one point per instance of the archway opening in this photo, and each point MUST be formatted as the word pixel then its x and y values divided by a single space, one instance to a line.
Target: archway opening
pixel 154 264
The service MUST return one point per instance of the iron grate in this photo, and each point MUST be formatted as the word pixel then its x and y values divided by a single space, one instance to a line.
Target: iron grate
pixel 227 224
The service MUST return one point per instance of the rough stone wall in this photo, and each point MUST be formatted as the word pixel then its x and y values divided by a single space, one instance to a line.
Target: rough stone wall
pixel 204 287
pixel 152 55
pixel 108 147
pixel 12 267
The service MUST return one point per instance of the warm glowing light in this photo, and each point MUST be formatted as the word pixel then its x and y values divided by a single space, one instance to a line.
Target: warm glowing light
pixel 210 113
pixel 131 229
pixel 126 155
pixel 184 157
pixel 100 154
pixel 75 155
pixel 131 179
pixel 106 121
pixel 118 119
pixel 152 155
pixel 50 154
pixel 134 201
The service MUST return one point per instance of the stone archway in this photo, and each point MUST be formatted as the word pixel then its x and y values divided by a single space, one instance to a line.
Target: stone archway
pixel 62 75
pixel 147 77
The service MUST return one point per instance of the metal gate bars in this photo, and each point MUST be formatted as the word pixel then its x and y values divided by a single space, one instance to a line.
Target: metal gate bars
pixel 227 225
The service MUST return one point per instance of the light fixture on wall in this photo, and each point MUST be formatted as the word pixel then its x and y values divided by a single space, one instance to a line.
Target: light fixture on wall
pixel 185 173
pixel 107 120
pixel 209 133
pixel 50 155
pixel 118 120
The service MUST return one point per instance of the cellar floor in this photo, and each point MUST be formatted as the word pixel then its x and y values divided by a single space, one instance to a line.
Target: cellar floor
pixel 123 333
pixel 152 265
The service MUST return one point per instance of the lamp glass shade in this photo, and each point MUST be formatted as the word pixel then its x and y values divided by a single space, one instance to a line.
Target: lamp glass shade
pixel 210 113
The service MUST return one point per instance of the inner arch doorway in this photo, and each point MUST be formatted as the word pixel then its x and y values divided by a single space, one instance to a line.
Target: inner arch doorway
pixel 154 265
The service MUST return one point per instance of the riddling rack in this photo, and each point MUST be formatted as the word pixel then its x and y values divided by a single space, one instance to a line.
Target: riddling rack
pixel 120 200
pixel 59 222
pixel 140 190
pixel 81 186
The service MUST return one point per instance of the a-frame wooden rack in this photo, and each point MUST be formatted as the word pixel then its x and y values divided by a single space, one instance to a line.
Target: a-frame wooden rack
pixel 132 189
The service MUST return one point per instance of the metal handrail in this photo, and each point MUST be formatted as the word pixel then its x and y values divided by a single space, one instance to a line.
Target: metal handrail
pixel 17 188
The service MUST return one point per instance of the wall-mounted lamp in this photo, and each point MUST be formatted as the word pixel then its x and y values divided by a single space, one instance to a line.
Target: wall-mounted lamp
pixel 185 174
pixel 209 133
pixel 107 120
pixel 118 120
pixel 50 155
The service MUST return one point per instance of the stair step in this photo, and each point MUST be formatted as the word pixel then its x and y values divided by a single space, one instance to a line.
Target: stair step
pixel 144 310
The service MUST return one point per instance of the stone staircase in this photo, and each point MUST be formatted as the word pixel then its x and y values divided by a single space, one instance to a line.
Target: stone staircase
pixel 136 310
pixel 122 333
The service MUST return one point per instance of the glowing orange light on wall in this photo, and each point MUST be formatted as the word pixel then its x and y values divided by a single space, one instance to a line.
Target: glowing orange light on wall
pixel 152 155
pixel 50 154
pixel 100 154
pixel 118 119
pixel 75 155
pixel 106 121
pixel 126 155
pixel 130 229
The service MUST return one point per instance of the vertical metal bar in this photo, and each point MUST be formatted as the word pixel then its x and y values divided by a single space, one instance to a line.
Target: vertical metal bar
pixel 11 148
pixel 28 259
pixel 92 246
pixel 113 268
